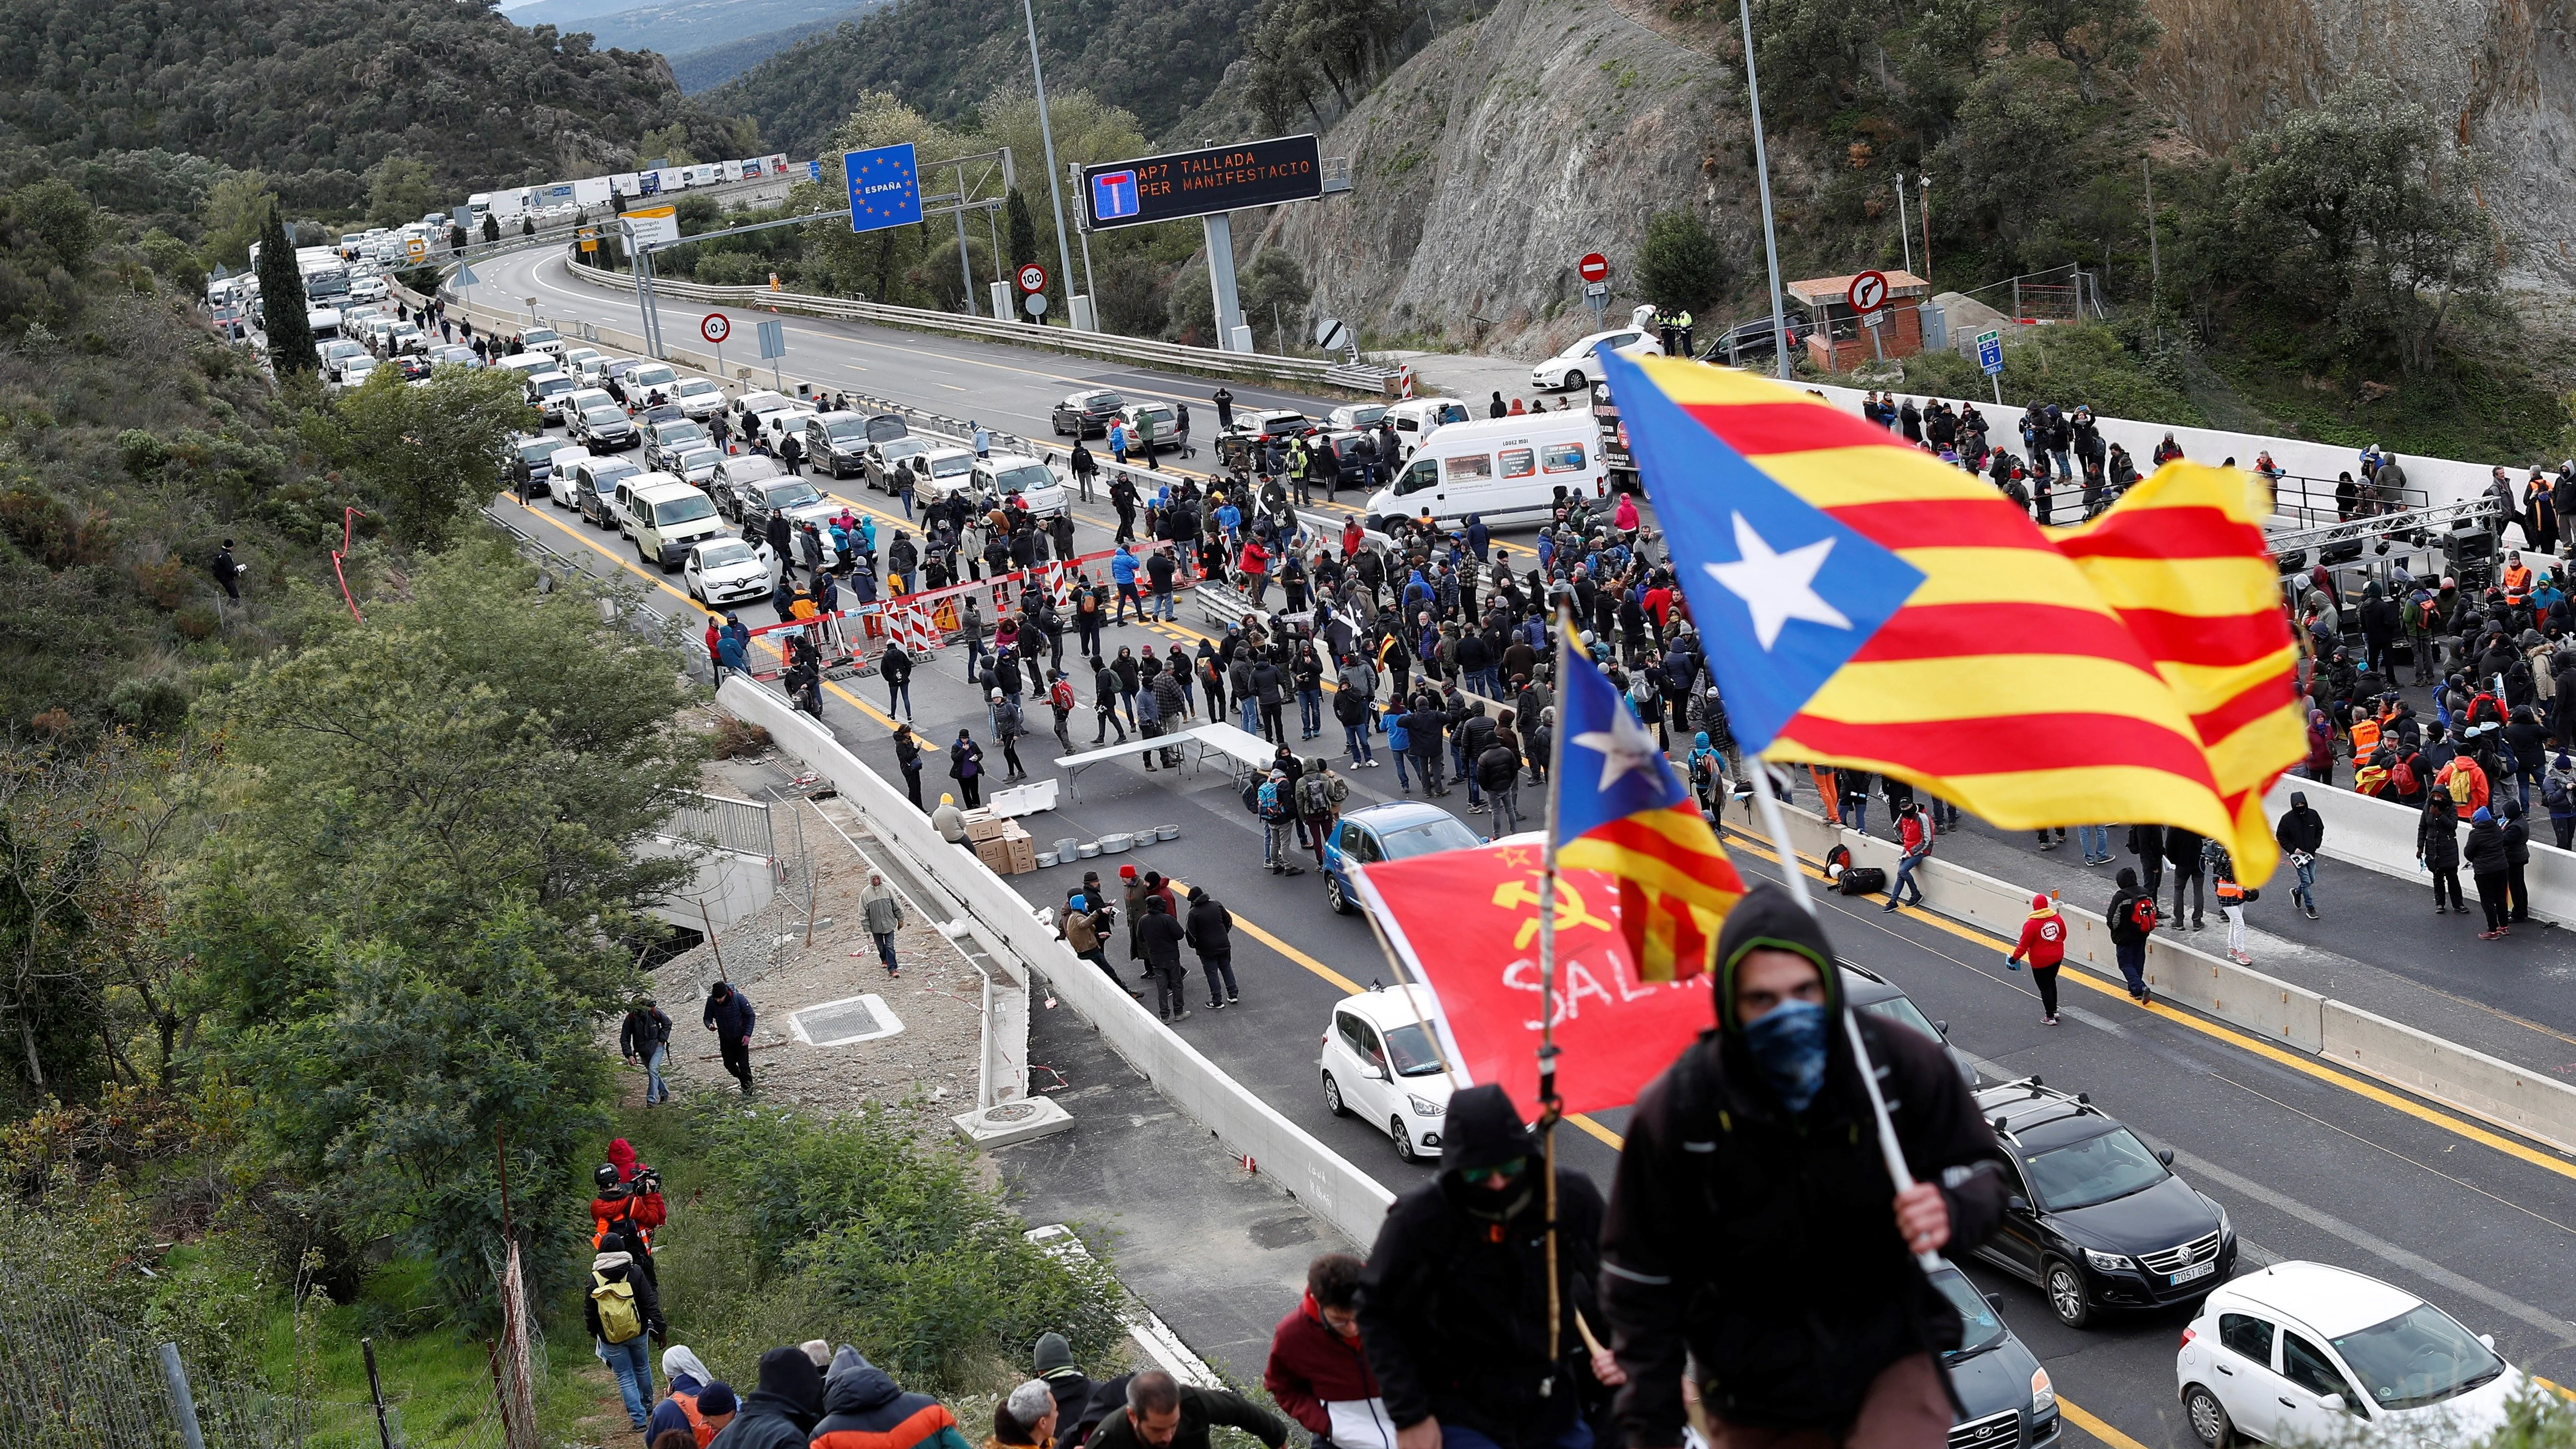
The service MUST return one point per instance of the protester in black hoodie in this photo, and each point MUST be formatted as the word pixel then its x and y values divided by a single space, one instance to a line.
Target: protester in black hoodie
pixel 2129 927
pixel 2302 833
pixel 1453 1304
pixel 1752 1180
pixel 782 1412
pixel 2437 846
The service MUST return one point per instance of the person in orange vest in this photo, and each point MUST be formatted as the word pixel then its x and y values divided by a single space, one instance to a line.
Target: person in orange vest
pixel 2517 579
pixel 2043 940
pixel 2365 737
pixel 628 1206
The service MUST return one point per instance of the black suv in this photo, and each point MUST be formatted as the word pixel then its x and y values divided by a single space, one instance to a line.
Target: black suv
pixel 2096 1218
pixel 1086 413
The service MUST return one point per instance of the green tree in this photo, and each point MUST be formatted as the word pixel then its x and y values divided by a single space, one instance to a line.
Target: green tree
pixel 1283 75
pixel 59 217
pixel 235 211
pixel 1272 286
pixel 1347 38
pixel 2113 34
pixel 491 227
pixel 428 455
pixel 175 262
pixel 2352 210
pixel 1019 233
pixel 1679 263
pixel 281 300
pixel 668 145
pixel 401 190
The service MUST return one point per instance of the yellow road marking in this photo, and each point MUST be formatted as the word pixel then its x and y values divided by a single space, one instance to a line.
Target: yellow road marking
pixel 2094 1425
pixel 2296 1061
pixel 861 705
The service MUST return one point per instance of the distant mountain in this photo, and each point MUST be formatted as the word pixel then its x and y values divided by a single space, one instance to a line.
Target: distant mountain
pixel 684 27
pixel 1155 58
pixel 713 66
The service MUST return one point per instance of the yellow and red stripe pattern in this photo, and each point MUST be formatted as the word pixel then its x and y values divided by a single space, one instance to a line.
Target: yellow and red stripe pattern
pixel 2181 558
pixel 2008 683
pixel 1675 886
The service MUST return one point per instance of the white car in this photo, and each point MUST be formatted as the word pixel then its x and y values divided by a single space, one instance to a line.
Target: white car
pixel 336 354
pixel 2306 1353
pixel 780 424
pixel 697 466
pixel 368 289
pixel 1575 367
pixel 542 339
pixel 354 371
pixel 745 413
pixel 724 571
pixel 1351 417
pixel 1005 476
pixel 940 472
pixel 559 481
pixel 700 398
pixel 1380 1063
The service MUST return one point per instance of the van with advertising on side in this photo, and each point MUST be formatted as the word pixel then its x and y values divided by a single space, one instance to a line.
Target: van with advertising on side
pixel 1506 471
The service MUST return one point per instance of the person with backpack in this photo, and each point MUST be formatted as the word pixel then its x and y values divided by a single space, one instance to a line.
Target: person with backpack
pixel 2302 833
pixel 2132 917
pixel 2437 849
pixel 1426 730
pixel 2487 858
pixel 1210 932
pixel 2043 940
pixel 1319 794
pixel 1914 832
pixel 781 1413
pixel 624 1316
pixel 1277 807
pixel 1498 769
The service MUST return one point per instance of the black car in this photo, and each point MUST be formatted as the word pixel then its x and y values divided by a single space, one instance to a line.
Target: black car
pixel 532 463
pixel 756 501
pixel 2007 1399
pixel 603 428
pixel 838 443
pixel 1868 991
pixel 2095 1217
pixel 1236 447
pixel 1087 414
pixel 738 479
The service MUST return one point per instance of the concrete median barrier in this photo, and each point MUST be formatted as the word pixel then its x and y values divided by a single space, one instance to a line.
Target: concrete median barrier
pixel 1319 1177
pixel 2380 836
pixel 2509 1096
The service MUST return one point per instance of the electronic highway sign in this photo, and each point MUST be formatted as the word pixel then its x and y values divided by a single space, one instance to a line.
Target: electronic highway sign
pixel 1198 183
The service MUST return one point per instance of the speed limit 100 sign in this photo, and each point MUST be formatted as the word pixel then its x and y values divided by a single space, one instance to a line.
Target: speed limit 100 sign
pixel 716 328
pixel 1032 278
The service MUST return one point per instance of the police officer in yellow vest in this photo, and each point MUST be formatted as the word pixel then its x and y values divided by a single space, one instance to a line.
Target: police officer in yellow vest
pixel 1681 324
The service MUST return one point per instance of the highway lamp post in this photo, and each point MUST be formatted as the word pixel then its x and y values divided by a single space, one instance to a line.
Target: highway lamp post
pixel 1904 229
pixel 1762 171
pixel 1925 179
pixel 1074 315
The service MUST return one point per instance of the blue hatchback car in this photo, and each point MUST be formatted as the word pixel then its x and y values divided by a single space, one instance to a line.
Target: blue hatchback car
pixel 1393 831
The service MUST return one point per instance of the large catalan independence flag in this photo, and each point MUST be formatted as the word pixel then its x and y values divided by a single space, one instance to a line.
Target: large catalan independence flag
pixel 1863 604
pixel 1620 810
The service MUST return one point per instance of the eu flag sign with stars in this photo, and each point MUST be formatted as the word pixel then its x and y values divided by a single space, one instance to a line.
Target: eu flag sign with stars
pixel 1620 810
pixel 885 187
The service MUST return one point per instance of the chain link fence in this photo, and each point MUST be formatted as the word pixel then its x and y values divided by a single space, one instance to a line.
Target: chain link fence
pixel 71 1378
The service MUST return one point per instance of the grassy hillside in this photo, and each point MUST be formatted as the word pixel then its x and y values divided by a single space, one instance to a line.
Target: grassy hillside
pixel 317 93
pixel 1154 58
pixel 677 28
pixel 704 69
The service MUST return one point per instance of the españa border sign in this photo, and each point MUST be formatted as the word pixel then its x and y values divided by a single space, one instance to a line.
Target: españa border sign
pixel 885 188
pixel 1195 183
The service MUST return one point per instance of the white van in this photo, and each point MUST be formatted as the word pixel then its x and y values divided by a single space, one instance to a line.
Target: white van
pixel 665 516
pixel 1504 470
pixel 1416 418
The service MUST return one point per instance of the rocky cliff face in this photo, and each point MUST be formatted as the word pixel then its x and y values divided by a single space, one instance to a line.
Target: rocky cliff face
pixel 2503 72
pixel 1498 155
pixel 1502 153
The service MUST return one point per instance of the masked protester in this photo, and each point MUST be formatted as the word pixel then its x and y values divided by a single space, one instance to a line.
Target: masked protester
pixel 782 1412
pixel 1454 1301
pixel 1752 1179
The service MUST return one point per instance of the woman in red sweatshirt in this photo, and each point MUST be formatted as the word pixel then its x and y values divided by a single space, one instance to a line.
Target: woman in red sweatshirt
pixel 2043 940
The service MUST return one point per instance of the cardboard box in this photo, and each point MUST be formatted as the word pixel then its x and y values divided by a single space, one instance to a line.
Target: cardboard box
pixel 995 854
pixel 1023 853
pixel 982 824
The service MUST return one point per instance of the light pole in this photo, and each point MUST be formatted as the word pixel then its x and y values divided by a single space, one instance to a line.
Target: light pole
pixel 1926 179
pixel 1762 171
pixel 1046 138
pixel 1904 229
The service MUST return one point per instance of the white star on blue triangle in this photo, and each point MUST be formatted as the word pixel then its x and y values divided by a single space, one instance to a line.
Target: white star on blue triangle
pixel 1784 594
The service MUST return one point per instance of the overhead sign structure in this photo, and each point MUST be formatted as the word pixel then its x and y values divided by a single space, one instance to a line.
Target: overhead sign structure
pixel 716 328
pixel 1868 292
pixel 885 187
pixel 1594 267
pixel 1032 277
pixel 1201 183
pixel 654 226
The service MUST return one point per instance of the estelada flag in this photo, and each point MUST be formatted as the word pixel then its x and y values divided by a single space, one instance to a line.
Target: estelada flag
pixel 1465 923
pixel 1864 604
pixel 1620 810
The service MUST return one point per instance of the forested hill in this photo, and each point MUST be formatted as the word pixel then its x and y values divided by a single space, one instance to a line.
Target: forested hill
pixel 315 92
pixel 1154 58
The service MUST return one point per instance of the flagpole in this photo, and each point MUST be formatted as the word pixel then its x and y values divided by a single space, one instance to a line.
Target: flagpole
pixel 1889 1148
pixel 1547 1098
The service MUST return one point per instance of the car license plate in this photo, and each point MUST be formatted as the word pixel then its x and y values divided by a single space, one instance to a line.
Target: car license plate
pixel 2202 1270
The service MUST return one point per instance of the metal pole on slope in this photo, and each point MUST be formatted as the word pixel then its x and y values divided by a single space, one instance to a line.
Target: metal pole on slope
pixel 1904 228
pixel 1762 170
pixel 1046 138
pixel 965 273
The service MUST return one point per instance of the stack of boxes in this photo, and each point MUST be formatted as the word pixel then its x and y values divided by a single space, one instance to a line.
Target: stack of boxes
pixel 1000 842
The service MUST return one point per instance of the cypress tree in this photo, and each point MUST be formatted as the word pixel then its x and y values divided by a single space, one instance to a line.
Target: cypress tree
pixel 491 227
pixel 281 299
pixel 1020 232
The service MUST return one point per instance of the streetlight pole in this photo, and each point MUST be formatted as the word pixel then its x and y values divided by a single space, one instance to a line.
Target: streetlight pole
pixel 1926 179
pixel 1904 228
pixel 1762 170
pixel 1046 138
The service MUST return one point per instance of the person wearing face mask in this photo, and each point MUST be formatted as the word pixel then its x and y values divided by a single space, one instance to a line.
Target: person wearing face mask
pixel 1454 1301
pixel 1752 1179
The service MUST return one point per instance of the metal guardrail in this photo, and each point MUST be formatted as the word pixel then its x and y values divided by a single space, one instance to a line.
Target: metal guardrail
pixel 741 826
pixel 1314 371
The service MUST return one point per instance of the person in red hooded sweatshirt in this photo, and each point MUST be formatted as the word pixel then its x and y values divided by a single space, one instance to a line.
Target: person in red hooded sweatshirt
pixel 1318 1373
pixel 628 1205
pixel 2043 941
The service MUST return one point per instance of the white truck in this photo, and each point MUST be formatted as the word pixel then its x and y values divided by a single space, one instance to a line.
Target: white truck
pixel 590 191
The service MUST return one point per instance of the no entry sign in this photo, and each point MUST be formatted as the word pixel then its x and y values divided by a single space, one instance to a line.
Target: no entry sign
pixel 1868 292
pixel 1594 267
pixel 716 328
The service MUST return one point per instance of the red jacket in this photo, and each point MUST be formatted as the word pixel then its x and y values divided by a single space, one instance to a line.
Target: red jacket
pixel 1311 1366
pixel 2043 936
